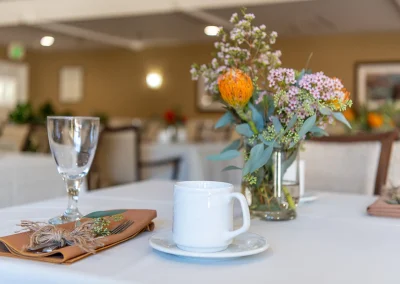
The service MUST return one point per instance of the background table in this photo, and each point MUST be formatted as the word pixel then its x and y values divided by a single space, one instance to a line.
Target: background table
pixel 195 165
pixel 28 177
pixel 332 241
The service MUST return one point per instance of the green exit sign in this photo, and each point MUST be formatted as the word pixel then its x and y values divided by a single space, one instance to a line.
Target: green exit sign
pixel 16 51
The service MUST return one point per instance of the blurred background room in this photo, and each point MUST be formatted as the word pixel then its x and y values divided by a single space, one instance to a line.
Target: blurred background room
pixel 128 63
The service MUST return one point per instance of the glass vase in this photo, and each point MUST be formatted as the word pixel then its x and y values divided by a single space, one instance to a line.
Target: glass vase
pixel 276 193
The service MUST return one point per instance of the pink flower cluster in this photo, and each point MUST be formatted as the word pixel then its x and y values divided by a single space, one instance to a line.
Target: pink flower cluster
pixel 321 86
pixel 281 75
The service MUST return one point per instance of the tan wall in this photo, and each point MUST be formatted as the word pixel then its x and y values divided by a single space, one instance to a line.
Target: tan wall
pixel 115 79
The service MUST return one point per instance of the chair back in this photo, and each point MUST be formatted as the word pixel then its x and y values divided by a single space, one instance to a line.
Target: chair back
pixel 348 163
pixel 151 130
pixel 39 138
pixel 14 137
pixel 117 156
pixel 394 166
pixel 193 127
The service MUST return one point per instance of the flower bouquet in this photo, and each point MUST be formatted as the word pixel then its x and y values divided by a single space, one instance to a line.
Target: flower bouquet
pixel 274 109
pixel 382 119
pixel 174 121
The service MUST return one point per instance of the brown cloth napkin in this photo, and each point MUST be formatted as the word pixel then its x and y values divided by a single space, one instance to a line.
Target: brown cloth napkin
pixel 13 245
pixel 383 209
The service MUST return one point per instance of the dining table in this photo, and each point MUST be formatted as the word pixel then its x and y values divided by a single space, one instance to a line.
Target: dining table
pixel 331 241
pixel 194 162
pixel 28 177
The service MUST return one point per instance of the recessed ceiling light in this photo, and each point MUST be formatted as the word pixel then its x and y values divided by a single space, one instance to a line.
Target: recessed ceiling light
pixel 211 30
pixel 154 80
pixel 47 41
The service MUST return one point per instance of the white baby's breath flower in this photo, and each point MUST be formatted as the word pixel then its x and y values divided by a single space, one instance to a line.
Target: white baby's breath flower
pixel 274 34
pixel 194 73
pixel 234 18
pixel 249 16
pixel 214 63
pixel 263 27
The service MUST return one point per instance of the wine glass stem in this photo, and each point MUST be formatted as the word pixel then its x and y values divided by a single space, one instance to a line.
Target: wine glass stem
pixel 73 188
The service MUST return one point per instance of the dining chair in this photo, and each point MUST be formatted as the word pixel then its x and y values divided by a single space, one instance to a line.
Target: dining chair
pixel 116 122
pixel 393 179
pixel 14 137
pixel 348 163
pixel 193 127
pixel 38 138
pixel 118 158
pixel 151 130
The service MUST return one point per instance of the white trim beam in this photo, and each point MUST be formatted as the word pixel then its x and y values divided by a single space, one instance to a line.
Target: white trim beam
pixel 94 36
pixel 31 12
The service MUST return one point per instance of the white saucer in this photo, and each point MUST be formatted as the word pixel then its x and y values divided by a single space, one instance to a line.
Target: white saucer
pixel 243 245
pixel 308 197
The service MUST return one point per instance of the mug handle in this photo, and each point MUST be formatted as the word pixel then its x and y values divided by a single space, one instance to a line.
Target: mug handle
pixel 246 216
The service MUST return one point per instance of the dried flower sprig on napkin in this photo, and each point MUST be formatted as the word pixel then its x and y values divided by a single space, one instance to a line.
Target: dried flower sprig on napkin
pixel 87 235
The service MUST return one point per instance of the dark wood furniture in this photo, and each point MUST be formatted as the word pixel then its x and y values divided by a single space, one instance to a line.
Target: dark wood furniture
pixel 136 161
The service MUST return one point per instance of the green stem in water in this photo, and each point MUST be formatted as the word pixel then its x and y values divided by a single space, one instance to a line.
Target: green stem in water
pixel 243 116
pixel 289 198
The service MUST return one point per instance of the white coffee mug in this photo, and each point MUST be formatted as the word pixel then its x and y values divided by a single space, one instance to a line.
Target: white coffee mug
pixel 203 215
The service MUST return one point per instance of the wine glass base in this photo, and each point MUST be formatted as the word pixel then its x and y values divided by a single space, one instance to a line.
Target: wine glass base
pixel 65 219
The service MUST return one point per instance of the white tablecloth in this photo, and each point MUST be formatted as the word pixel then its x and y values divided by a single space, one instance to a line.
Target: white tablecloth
pixel 28 177
pixel 332 241
pixel 195 165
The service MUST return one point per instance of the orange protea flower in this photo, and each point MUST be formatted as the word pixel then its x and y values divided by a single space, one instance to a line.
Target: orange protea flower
pixel 349 114
pixel 236 88
pixel 375 120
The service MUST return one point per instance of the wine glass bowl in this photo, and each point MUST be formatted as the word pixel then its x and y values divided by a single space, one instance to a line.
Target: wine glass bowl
pixel 73 142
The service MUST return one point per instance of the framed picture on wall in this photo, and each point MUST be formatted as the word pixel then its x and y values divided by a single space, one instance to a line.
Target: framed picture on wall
pixel 71 84
pixel 204 101
pixel 377 83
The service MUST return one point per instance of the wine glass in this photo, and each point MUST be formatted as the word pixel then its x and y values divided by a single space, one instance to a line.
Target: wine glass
pixel 73 142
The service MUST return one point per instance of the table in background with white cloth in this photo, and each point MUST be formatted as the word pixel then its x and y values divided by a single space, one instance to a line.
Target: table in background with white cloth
pixel 194 162
pixel 332 241
pixel 28 177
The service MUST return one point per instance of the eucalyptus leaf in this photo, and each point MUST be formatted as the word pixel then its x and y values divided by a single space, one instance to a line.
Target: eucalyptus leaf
pixel 233 146
pixel 271 106
pixel 244 129
pixel 255 152
pixel 260 176
pixel 289 160
pixel 325 111
pixel 258 158
pixel 315 130
pixel 257 117
pixel 228 155
pixel 100 214
pixel 226 119
pixel 308 124
pixel 340 117
pixel 291 123
pixel 277 124
pixel 230 168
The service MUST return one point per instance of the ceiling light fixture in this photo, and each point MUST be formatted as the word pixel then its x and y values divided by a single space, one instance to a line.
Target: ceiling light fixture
pixel 211 30
pixel 47 41
pixel 154 80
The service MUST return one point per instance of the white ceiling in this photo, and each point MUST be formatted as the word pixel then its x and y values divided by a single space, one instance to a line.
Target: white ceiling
pixel 187 25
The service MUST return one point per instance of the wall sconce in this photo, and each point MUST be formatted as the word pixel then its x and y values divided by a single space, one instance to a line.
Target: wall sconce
pixel 154 80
